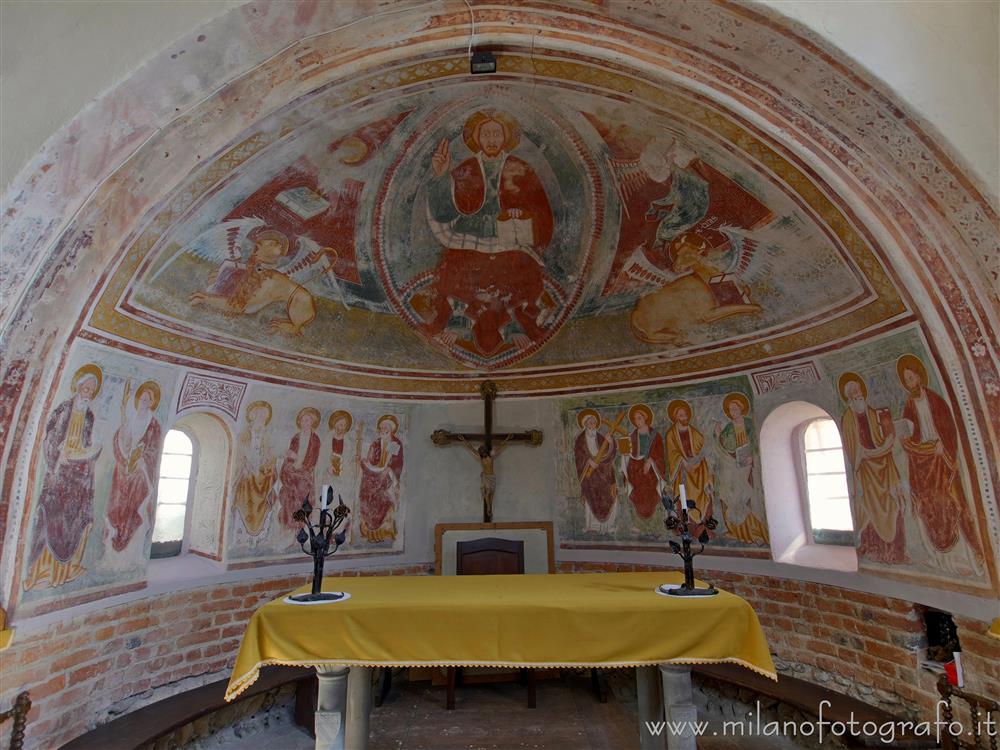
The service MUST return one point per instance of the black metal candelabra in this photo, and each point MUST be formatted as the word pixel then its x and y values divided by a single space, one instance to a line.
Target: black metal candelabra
pixel 323 542
pixel 679 522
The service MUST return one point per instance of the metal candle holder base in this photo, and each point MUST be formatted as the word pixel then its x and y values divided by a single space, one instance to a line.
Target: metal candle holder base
pixel 322 596
pixel 693 591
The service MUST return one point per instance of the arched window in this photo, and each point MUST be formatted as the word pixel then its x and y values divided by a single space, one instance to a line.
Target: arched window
pixel 828 503
pixel 805 488
pixel 172 495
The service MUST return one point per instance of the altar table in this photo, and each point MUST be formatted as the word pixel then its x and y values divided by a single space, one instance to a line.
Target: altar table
pixel 562 620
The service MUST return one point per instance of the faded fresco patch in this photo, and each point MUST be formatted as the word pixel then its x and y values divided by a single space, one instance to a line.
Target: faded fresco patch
pixel 911 491
pixel 289 446
pixel 461 228
pixel 619 455
pixel 96 479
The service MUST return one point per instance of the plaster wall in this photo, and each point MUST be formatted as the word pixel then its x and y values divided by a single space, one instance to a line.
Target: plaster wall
pixel 73 51
pixel 940 57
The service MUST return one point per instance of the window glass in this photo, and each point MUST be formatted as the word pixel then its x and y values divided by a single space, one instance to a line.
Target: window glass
pixel 172 494
pixel 826 483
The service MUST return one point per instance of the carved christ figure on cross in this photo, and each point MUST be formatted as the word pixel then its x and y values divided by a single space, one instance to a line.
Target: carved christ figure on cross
pixel 488 477
pixel 486 452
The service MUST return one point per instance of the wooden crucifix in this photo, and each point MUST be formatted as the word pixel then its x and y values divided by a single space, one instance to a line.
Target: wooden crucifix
pixel 487 450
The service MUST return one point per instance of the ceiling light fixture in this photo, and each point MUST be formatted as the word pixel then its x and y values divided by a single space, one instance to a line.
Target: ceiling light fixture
pixel 482 62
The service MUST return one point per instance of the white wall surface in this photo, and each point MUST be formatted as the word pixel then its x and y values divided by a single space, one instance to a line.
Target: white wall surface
pixel 940 56
pixel 57 55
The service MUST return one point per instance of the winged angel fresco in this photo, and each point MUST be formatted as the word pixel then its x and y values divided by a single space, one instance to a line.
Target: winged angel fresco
pixel 256 270
pixel 703 284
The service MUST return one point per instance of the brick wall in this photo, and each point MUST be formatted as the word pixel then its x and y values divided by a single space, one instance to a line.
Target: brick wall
pixel 87 670
pixel 864 645
pixel 90 669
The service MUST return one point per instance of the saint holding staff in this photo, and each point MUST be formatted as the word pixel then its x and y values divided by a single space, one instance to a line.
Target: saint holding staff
pixel 381 470
pixel 595 454
pixel 137 455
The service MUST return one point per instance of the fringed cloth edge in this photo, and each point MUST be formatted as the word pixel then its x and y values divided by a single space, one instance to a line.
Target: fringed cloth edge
pixel 239 684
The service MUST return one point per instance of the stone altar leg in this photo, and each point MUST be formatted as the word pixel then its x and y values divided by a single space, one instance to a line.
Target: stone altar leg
pixel 647 682
pixel 359 705
pixel 678 704
pixel 331 708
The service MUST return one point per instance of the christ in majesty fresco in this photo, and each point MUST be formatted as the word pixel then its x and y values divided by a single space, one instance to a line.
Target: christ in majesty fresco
pixel 493 220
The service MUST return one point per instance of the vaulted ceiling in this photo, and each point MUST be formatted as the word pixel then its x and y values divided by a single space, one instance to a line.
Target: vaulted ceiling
pixel 679 190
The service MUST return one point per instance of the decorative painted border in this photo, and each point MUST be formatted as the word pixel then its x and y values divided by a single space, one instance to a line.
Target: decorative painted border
pixel 211 393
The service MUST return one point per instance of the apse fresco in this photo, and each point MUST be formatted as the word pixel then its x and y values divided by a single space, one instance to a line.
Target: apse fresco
pixel 622 454
pixel 94 500
pixel 911 491
pixel 289 447
pixel 488 228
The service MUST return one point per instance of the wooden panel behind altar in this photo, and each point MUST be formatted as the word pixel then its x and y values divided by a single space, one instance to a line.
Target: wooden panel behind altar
pixel 539 553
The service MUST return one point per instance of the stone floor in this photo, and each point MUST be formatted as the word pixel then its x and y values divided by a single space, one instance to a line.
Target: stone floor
pixel 494 717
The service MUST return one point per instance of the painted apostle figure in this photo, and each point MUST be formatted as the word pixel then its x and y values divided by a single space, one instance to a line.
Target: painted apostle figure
pixel 595 454
pixel 643 462
pixel 298 470
pixel 340 472
pixel 381 470
pixel 935 482
pixel 874 479
pixel 738 441
pixel 493 220
pixel 65 511
pixel 137 455
pixel 686 450
pixel 256 472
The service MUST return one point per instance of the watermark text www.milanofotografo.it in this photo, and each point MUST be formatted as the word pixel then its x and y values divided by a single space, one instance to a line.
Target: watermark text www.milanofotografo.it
pixel 887 732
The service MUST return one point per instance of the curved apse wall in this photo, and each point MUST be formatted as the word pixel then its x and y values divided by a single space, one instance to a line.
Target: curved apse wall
pixel 822 188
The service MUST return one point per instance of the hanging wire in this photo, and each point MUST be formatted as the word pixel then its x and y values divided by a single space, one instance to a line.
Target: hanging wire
pixel 472 20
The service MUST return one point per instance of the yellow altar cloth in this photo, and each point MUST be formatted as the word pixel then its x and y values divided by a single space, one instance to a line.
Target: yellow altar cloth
pixel 994 629
pixel 567 620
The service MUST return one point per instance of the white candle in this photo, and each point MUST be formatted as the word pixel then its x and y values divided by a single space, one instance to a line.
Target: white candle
pixel 322 497
pixel 684 497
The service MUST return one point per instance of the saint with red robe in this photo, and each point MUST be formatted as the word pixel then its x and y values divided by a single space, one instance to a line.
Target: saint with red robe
pixel 595 452
pixel 65 508
pixel 643 462
pixel 137 455
pixel 342 476
pixel 381 470
pixel 493 220
pixel 298 470
pixel 935 482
